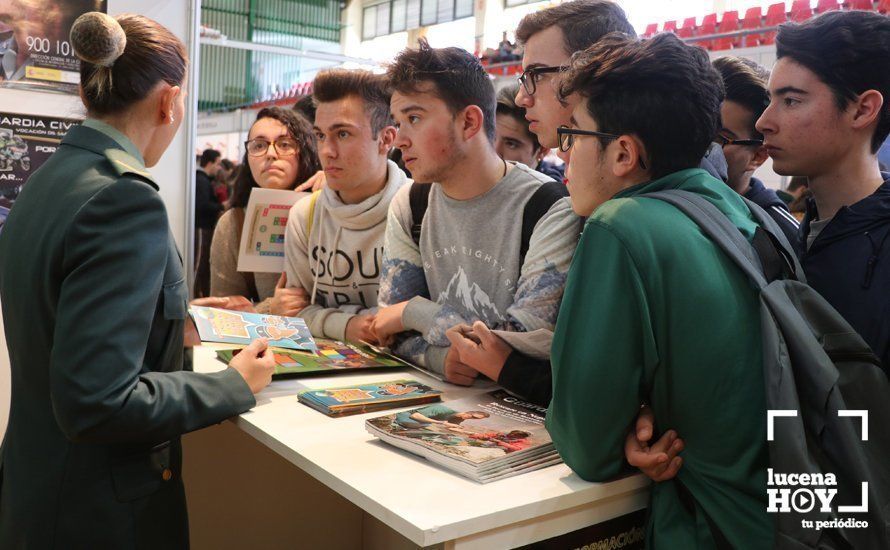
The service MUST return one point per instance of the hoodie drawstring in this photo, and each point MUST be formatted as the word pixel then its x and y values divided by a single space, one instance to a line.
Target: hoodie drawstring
pixel 320 227
pixel 334 253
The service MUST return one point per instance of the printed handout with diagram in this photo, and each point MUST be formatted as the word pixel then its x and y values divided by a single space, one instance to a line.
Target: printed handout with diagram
pixel 265 221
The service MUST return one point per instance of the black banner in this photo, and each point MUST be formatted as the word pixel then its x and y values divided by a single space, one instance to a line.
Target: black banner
pixel 26 142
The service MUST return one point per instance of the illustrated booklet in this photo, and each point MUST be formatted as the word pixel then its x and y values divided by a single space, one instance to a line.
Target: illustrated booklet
pixel 330 356
pixel 239 327
pixel 487 437
pixel 362 398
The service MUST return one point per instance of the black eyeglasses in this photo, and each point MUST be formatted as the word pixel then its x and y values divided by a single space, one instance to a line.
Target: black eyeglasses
pixel 724 141
pixel 531 76
pixel 566 136
pixel 285 146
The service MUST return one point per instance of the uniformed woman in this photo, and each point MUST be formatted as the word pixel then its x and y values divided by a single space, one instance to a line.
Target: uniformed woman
pixel 94 305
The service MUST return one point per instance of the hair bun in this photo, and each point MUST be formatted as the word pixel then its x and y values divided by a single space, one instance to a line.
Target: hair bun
pixel 98 38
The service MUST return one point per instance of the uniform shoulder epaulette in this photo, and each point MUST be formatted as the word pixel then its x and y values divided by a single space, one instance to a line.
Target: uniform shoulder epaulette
pixel 124 163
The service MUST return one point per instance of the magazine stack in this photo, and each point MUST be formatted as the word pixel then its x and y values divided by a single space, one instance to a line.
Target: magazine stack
pixel 488 437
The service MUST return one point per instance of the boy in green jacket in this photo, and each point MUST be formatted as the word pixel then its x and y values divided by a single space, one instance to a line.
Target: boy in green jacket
pixel 653 311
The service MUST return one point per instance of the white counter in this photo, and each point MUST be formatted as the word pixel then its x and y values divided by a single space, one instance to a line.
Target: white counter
pixel 427 504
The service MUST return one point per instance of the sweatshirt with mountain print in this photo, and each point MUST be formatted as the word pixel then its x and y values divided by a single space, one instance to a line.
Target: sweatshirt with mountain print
pixel 467 266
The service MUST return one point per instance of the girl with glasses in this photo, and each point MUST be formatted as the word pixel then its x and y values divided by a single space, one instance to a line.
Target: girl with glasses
pixel 280 153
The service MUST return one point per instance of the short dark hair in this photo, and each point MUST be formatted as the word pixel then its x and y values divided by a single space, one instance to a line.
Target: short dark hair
pixel 305 107
pixel 506 105
pixel 458 79
pixel 849 51
pixel 745 83
pixel 227 164
pixel 299 129
pixel 582 23
pixel 336 84
pixel 209 156
pixel 630 87
pixel 113 81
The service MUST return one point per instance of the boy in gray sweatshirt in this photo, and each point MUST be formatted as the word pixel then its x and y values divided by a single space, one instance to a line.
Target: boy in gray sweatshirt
pixel 489 240
pixel 334 238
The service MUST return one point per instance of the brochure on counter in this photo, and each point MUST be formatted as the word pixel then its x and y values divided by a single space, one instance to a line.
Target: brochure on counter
pixel 331 356
pixel 487 437
pixel 239 327
pixel 357 399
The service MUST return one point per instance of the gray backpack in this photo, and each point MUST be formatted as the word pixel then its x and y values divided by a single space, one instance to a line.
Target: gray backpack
pixel 819 374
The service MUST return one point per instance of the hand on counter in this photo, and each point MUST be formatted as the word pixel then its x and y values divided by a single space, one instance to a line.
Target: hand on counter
pixel 388 323
pixel 457 372
pixel 479 349
pixel 358 329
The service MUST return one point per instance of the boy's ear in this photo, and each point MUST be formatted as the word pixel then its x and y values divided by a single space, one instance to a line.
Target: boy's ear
pixel 628 156
pixel 868 108
pixel 386 137
pixel 472 121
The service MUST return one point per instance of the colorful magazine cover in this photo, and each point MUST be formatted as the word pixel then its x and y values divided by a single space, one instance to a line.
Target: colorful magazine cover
pixel 331 355
pixel 239 327
pixel 369 397
pixel 485 437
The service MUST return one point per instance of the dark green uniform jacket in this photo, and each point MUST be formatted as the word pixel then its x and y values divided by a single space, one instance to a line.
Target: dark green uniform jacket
pixel 94 300
pixel 654 312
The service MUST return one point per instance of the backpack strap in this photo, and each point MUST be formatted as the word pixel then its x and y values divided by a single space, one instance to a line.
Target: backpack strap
pixel 718 228
pixel 779 240
pixel 419 200
pixel 537 205
pixel 312 200
pixel 249 278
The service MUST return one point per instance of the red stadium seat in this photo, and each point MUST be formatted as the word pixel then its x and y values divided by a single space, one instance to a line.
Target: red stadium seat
pixel 688 28
pixel 752 20
pixel 801 10
pixel 775 16
pixel 859 5
pixel 708 26
pixel 827 5
pixel 670 26
pixel 651 29
pixel 884 6
pixel 729 23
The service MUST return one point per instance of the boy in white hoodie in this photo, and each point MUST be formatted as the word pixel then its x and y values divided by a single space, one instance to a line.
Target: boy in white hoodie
pixel 334 238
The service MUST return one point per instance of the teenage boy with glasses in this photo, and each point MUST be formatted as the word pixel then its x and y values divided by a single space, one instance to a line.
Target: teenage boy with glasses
pixel 746 99
pixel 549 39
pixel 686 339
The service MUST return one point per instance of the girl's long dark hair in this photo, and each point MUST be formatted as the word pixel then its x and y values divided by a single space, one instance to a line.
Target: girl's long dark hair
pixel 307 164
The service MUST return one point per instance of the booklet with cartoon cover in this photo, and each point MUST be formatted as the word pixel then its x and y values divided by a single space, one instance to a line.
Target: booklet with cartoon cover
pixel 330 356
pixel 356 399
pixel 239 327
pixel 486 437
